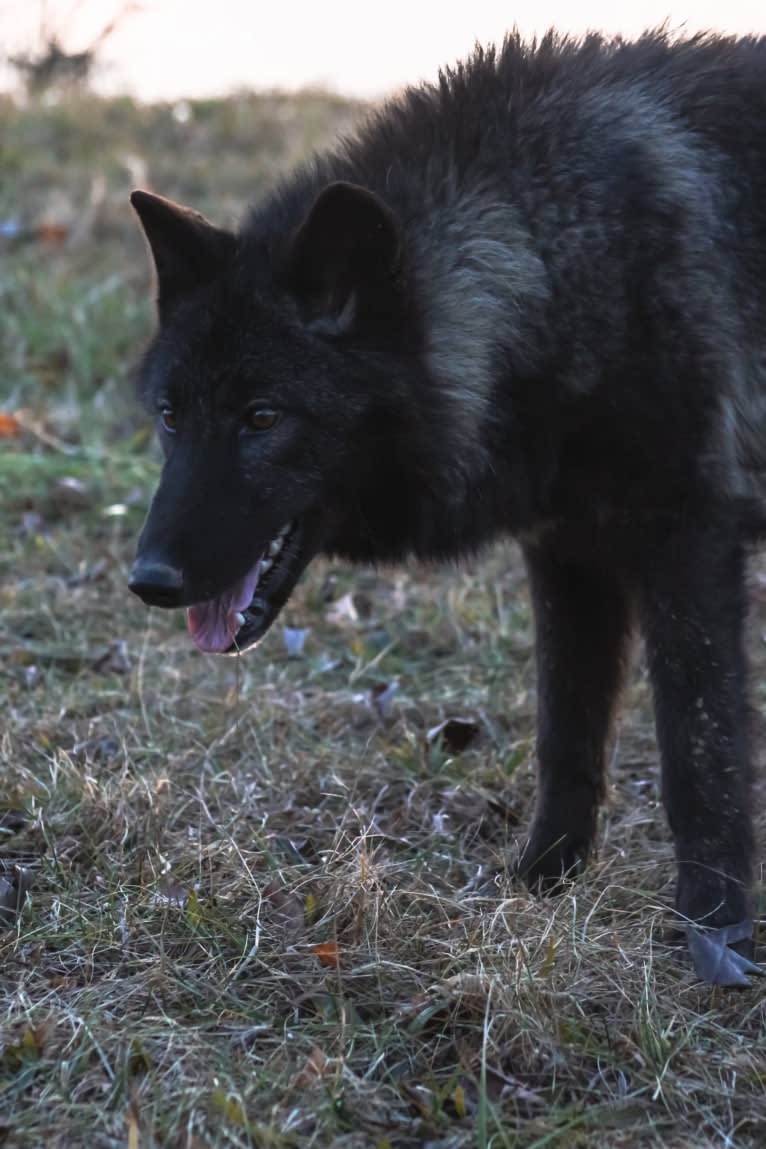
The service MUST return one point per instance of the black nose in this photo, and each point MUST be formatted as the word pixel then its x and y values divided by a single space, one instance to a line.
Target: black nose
pixel 157 583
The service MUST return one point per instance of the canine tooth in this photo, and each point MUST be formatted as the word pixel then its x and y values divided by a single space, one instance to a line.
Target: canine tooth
pixel 265 565
pixel 240 619
pixel 275 546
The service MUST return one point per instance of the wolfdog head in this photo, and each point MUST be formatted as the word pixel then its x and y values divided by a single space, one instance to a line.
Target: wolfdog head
pixel 281 379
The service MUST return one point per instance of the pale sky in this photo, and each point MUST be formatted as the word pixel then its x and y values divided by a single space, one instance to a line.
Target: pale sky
pixel 175 48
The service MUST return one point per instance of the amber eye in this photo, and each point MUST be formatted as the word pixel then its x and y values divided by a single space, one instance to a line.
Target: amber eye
pixel 168 419
pixel 261 418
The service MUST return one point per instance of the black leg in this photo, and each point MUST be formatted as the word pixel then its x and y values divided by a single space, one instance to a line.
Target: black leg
pixel 692 602
pixel 582 621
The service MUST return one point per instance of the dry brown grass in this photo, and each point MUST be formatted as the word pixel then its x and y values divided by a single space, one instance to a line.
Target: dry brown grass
pixel 265 911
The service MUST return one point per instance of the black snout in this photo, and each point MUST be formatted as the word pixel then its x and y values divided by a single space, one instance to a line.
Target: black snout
pixel 157 583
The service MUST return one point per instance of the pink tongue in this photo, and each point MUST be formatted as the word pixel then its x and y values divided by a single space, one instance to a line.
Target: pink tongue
pixel 213 625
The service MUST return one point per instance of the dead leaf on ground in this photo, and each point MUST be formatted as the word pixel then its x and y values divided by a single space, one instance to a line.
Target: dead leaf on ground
pixel 115 660
pixel 51 233
pixel 63 982
pixel 294 641
pixel 230 1107
pixel 317 1065
pixel 459 1101
pixel 171 893
pixel 454 734
pixel 420 1098
pixel 70 494
pixel 14 885
pixel 139 1061
pixel 349 609
pixel 287 910
pixel 499 1084
pixel 24 1044
pixel 382 698
pixel 32 523
pixel 10 427
pixel 12 822
pixel 327 953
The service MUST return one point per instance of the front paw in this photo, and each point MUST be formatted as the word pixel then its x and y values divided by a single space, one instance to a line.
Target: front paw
pixel 551 856
pixel 719 928
pixel 723 956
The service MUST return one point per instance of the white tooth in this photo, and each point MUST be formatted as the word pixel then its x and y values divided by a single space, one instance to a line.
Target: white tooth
pixel 275 547
pixel 240 619
pixel 265 565
pixel 284 530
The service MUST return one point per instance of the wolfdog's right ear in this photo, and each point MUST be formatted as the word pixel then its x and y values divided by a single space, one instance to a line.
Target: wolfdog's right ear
pixel 344 257
pixel 186 248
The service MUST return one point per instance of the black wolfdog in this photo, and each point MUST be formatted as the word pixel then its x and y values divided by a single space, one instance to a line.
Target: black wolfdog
pixel 528 300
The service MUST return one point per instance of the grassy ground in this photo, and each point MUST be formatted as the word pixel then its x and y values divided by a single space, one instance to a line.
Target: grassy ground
pixel 266 909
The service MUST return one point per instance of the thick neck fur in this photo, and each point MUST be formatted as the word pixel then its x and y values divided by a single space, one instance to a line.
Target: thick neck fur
pixel 548 196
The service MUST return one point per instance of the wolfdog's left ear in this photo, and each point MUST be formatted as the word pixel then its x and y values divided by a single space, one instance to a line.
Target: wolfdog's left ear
pixel 186 248
pixel 344 256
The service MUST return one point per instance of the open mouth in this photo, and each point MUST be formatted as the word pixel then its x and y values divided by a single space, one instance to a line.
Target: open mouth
pixel 235 620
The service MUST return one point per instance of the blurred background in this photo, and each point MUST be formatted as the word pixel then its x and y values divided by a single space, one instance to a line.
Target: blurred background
pixel 167 49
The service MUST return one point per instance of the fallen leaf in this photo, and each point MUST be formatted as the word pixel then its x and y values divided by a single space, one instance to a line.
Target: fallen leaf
pixel 292 847
pixel 12 821
pixel 454 734
pixel 171 893
pixel 32 523
pixel 70 494
pixel 333 1009
pixel 343 610
pixel 52 233
pixel 115 660
pixel 231 1108
pixel 327 953
pixel 10 427
pixel 14 884
pixel 382 697
pixel 316 1066
pixel 61 981
pixel 498 1084
pixel 421 1098
pixel 287 910
pixel 294 641
pixel 139 1061
pixel 310 908
pixel 458 1100
pixel 26 1047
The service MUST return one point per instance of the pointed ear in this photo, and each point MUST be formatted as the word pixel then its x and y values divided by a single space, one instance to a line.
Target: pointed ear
pixel 186 248
pixel 344 257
